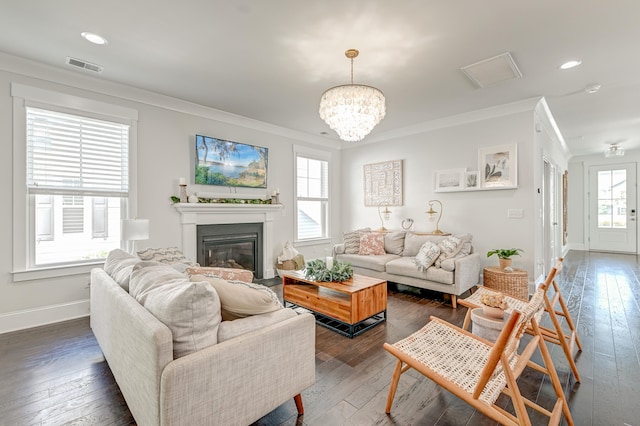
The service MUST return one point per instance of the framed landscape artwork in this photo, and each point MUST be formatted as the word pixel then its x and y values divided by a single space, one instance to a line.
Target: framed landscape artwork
pixel 498 166
pixel 450 180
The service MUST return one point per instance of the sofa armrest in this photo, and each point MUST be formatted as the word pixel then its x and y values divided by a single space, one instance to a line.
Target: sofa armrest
pixel 338 249
pixel 467 271
pixel 242 379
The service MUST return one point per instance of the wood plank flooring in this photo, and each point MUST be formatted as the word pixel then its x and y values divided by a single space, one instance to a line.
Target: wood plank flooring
pixel 56 374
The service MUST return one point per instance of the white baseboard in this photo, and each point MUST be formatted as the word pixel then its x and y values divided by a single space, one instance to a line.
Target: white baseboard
pixel 29 318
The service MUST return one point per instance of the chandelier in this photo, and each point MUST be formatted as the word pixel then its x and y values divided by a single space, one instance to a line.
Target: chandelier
pixel 352 110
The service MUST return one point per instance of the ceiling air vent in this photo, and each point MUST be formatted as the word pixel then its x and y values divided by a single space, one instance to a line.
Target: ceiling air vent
pixel 84 64
pixel 493 70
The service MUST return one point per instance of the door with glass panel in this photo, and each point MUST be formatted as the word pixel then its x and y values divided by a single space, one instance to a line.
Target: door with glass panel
pixel 612 208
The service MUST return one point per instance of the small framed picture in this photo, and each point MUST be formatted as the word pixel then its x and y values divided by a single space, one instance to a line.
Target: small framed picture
pixel 450 180
pixel 471 180
pixel 498 166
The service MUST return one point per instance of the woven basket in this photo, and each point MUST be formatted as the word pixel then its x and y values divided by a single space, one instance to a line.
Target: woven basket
pixel 514 284
pixel 287 265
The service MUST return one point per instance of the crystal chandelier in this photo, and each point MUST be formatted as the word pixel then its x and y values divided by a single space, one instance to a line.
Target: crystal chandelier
pixel 352 110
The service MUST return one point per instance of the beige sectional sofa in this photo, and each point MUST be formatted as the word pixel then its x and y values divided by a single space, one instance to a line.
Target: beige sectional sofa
pixel 175 359
pixel 454 274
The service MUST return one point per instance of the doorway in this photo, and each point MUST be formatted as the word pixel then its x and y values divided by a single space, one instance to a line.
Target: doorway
pixel 612 208
pixel 550 204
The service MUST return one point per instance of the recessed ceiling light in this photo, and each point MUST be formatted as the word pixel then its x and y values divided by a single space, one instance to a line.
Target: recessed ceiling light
pixel 94 38
pixel 594 88
pixel 570 64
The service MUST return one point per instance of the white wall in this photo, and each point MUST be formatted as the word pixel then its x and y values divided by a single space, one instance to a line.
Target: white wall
pixel 166 132
pixel 481 213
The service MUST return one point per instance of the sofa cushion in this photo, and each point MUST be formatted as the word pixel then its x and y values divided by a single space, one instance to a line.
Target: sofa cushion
pixel 147 275
pixel 352 240
pixel 371 243
pixel 230 329
pixel 427 254
pixel 191 311
pixel 405 266
pixel 240 299
pixel 413 242
pixel 394 242
pixel 119 265
pixel 224 273
pixel 374 263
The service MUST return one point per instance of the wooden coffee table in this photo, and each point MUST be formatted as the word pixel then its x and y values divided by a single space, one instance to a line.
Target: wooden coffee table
pixel 350 307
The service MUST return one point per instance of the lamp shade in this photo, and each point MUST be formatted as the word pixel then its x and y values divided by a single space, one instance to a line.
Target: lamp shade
pixel 134 229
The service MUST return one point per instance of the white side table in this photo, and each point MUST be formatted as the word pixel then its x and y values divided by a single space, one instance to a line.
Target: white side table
pixel 485 326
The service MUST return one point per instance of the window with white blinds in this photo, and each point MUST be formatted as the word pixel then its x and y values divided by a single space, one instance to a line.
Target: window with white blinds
pixel 312 201
pixel 76 155
pixel 77 175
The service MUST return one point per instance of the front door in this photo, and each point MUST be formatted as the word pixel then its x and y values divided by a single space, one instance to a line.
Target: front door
pixel 612 208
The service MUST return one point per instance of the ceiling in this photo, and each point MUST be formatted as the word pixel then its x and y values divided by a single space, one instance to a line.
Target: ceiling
pixel 271 60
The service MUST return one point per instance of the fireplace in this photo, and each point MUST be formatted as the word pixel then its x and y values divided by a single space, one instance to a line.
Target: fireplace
pixel 194 215
pixel 237 245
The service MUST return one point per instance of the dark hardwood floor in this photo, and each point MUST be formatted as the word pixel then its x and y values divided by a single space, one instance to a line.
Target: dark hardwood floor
pixel 56 375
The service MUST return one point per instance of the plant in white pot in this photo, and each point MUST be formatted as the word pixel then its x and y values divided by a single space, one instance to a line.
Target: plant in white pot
pixel 504 256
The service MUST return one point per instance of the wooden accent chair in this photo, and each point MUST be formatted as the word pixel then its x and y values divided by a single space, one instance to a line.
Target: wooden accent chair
pixel 554 334
pixel 477 370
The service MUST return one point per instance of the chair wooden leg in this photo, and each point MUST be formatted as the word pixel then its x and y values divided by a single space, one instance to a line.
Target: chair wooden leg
pixel 298 401
pixel 562 339
pixel 467 320
pixel 553 374
pixel 394 386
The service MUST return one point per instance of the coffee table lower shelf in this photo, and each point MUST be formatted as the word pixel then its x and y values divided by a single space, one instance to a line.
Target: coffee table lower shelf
pixel 344 328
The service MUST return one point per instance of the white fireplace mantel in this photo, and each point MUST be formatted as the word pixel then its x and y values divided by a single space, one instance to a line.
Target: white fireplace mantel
pixel 194 214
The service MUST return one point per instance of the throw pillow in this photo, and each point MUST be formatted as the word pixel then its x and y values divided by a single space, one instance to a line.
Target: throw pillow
pixel 394 243
pixel 450 264
pixel 352 240
pixel 239 299
pixel 119 265
pixel 427 254
pixel 223 273
pixel 449 248
pixel 147 275
pixel 168 255
pixel 191 310
pixel 371 243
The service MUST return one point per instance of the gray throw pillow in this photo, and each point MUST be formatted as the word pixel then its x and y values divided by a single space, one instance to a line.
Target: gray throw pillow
pixel 352 240
pixel 394 242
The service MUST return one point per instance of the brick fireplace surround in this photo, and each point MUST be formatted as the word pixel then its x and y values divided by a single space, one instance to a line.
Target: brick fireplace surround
pixel 192 215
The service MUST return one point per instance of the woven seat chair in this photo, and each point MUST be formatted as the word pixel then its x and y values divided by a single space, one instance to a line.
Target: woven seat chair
pixel 477 370
pixel 554 334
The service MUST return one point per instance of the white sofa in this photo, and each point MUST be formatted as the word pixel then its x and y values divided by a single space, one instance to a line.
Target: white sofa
pixel 258 363
pixel 455 276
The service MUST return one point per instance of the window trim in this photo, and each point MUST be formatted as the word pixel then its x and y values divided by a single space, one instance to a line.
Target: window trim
pixel 24 96
pixel 314 154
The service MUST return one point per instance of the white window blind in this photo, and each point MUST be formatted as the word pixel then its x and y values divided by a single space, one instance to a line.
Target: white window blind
pixel 74 155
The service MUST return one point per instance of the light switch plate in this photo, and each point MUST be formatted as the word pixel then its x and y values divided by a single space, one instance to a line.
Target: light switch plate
pixel 515 213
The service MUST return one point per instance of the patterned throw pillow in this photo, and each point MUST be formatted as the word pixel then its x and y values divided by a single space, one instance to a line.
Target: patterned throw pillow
pixel 371 243
pixel 352 240
pixel 427 254
pixel 168 255
pixel 224 273
pixel 449 248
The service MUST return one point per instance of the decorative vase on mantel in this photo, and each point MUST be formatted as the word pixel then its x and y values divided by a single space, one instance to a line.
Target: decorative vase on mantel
pixel 505 263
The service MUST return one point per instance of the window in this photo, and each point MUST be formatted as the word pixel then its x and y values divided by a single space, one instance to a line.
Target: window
pixel 77 186
pixel 612 199
pixel 312 201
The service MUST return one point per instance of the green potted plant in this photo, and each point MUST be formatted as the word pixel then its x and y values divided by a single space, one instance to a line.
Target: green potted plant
pixel 504 256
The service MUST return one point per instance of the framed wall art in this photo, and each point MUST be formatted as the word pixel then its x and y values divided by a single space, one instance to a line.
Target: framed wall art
pixel 450 180
pixel 383 183
pixel 471 180
pixel 498 167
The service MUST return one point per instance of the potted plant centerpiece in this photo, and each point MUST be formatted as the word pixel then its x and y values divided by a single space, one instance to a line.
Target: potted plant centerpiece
pixel 493 304
pixel 504 256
